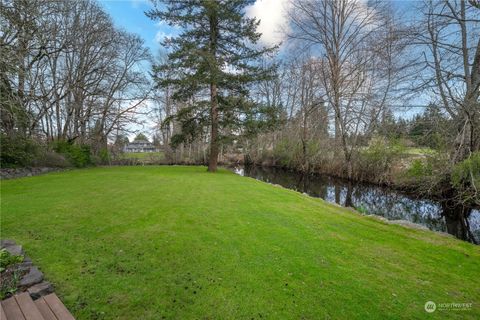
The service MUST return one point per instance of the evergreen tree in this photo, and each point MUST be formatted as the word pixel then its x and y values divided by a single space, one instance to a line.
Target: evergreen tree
pixel 432 128
pixel 121 141
pixel 212 62
pixel 140 137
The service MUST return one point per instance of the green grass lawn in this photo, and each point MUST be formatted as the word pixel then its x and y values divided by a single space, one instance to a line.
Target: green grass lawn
pixel 143 155
pixel 181 243
pixel 420 151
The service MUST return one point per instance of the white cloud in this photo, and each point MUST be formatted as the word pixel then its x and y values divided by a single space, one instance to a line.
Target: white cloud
pixel 160 36
pixel 137 3
pixel 164 31
pixel 271 14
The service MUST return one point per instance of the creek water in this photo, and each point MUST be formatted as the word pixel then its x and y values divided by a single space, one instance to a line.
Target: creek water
pixel 373 199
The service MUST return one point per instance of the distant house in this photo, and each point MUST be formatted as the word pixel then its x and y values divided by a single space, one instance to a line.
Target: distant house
pixel 140 146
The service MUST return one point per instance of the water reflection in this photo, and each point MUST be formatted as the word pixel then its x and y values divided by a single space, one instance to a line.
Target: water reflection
pixel 371 199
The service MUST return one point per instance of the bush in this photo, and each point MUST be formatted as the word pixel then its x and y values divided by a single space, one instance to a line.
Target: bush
pixel 383 150
pixel 17 151
pixel 51 159
pixel 419 169
pixel 104 156
pixel 429 175
pixel 467 171
pixel 287 153
pixel 466 178
pixel 377 159
pixel 78 155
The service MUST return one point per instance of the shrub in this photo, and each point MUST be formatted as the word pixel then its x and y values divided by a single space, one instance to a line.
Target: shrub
pixel 419 169
pixel 376 160
pixel 467 171
pixel 51 159
pixel 104 155
pixel 78 155
pixel 383 150
pixel 287 153
pixel 466 178
pixel 17 151
pixel 428 175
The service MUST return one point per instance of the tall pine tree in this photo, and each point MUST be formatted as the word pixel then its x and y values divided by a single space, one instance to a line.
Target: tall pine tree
pixel 212 62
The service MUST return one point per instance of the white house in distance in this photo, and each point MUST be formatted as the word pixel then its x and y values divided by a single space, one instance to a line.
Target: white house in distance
pixel 140 146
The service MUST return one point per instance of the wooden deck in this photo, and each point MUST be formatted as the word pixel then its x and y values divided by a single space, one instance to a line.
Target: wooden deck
pixel 22 307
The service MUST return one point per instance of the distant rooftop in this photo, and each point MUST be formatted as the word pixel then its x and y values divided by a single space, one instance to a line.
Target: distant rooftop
pixel 140 142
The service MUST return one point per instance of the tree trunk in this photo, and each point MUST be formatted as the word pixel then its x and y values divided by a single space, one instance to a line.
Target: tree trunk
pixel 337 194
pixel 456 220
pixel 212 163
pixel 306 165
pixel 348 196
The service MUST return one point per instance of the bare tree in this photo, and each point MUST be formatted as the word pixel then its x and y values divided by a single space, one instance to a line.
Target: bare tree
pixel 345 34
pixel 298 94
pixel 305 100
pixel 450 31
pixel 164 104
pixel 68 73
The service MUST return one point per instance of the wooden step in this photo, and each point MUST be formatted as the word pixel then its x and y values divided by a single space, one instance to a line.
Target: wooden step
pixel 12 309
pixel 22 307
pixel 57 307
pixel 44 309
pixel 2 313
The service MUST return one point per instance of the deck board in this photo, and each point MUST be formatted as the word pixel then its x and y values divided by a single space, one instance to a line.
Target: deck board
pixel 57 307
pixel 3 316
pixel 12 310
pixel 44 309
pixel 28 308
pixel 22 307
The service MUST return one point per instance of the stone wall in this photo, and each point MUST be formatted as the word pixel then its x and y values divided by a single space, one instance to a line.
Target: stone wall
pixel 13 173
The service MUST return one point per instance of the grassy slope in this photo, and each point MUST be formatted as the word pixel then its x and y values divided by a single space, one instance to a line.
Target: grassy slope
pixel 146 242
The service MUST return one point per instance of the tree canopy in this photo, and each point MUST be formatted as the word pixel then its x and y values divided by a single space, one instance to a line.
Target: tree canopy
pixel 140 137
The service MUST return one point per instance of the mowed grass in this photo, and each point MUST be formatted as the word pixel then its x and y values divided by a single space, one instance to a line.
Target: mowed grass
pixel 181 243
pixel 144 155
pixel 420 151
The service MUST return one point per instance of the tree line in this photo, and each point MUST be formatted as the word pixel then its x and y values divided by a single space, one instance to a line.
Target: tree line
pixel 68 74
pixel 326 99
pixel 347 65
